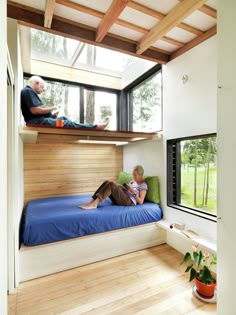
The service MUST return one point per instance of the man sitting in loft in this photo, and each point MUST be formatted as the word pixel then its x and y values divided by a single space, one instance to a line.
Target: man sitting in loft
pixel 35 112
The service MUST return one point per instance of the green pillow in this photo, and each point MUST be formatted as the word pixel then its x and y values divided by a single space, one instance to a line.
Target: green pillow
pixel 124 178
pixel 153 193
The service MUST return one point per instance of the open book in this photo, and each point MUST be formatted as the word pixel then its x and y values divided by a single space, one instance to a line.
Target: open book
pixel 124 186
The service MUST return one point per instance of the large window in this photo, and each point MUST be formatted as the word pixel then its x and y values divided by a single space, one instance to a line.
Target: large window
pixel 100 107
pixel 146 105
pixel 65 96
pixel 81 104
pixel 191 174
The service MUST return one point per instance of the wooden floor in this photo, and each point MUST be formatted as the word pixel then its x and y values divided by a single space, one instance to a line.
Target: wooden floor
pixel 149 281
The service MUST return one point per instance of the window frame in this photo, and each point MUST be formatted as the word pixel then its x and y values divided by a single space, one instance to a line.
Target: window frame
pixel 83 87
pixel 127 94
pixel 124 106
pixel 173 151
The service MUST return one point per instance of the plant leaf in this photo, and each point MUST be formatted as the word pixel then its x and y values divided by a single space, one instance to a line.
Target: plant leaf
pixel 186 258
pixel 189 267
pixel 205 276
pixel 193 274
pixel 198 257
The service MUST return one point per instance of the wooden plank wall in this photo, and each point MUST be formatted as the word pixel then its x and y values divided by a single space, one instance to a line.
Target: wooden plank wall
pixel 56 169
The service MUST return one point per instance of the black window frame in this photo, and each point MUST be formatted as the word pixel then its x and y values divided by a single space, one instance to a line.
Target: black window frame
pixel 127 94
pixel 173 149
pixel 124 108
pixel 83 87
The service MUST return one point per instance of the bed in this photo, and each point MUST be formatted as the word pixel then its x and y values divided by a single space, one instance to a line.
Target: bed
pixel 55 219
pixel 57 235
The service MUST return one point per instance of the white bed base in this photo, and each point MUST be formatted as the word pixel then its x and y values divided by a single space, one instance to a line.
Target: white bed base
pixel 42 260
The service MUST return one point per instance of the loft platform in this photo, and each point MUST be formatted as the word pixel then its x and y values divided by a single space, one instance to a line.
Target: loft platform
pixel 39 134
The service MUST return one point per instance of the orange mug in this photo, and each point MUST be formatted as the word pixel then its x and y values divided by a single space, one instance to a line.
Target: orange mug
pixel 59 123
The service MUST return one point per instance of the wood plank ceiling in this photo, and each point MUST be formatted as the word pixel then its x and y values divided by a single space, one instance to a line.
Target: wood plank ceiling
pixel 157 30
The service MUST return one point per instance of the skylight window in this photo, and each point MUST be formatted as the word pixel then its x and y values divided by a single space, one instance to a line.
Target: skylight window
pixel 52 48
pixel 68 52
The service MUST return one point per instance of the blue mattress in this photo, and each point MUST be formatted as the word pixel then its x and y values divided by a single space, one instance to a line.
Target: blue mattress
pixel 59 218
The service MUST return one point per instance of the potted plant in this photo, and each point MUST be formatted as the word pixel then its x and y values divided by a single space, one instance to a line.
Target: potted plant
pixel 200 270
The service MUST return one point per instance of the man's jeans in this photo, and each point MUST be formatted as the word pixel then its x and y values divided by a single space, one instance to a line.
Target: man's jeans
pixel 52 122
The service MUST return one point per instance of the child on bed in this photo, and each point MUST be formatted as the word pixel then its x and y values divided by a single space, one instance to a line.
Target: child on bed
pixel 129 195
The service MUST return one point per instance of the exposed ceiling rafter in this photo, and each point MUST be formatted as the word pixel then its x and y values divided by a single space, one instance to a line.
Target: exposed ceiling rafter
pixel 131 26
pixel 160 16
pixel 152 42
pixel 207 10
pixel 110 18
pixel 35 18
pixel 175 16
pixel 194 43
pixel 49 10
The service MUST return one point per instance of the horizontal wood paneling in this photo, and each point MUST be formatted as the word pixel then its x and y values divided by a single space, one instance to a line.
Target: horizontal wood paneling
pixel 55 169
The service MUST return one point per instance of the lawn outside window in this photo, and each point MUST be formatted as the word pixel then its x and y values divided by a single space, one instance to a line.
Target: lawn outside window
pixel 191 175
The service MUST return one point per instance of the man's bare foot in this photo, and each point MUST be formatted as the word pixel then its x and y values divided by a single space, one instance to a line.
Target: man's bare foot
pixel 102 127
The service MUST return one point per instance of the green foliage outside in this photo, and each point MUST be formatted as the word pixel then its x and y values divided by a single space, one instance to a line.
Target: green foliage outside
pixel 187 189
pixel 198 174
pixel 63 95
pixel 147 105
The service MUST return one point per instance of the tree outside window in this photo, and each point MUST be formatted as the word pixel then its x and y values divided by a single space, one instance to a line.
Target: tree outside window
pixel 146 105
pixel 192 173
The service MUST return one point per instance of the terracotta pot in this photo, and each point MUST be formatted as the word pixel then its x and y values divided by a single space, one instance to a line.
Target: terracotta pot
pixel 205 290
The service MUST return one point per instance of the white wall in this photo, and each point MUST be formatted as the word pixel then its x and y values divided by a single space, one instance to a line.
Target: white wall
pixel 3 159
pixel 188 109
pixel 15 159
pixel 148 154
pixel 226 129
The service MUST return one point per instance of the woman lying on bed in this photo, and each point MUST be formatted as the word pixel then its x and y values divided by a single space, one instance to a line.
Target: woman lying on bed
pixel 126 195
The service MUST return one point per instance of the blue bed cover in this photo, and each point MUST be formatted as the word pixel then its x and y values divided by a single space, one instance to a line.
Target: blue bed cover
pixel 59 218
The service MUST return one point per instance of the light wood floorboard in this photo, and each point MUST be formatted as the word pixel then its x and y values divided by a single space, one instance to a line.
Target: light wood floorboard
pixel 146 282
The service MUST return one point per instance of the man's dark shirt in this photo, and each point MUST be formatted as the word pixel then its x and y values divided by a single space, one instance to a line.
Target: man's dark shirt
pixel 29 98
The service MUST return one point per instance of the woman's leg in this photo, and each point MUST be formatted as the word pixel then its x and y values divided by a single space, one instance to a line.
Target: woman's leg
pixel 108 189
pixel 119 196
pixel 95 201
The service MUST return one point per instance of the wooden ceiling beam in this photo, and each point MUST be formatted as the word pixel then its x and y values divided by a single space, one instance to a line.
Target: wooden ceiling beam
pixel 35 18
pixel 175 16
pixel 160 16
pixel 49 10
pixel 84 9
pixel 211 32
pixel 207 10
pixel 110 18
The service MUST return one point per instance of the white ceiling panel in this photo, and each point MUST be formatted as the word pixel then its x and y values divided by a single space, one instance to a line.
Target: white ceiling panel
pixel 163 6
pixel 138 18
pixel 165 46
pixel 76 16
pixel 100 5
pixel 200 20
pixel 125 32
pixel 180 35
pixel 36 4
pixel 212 4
